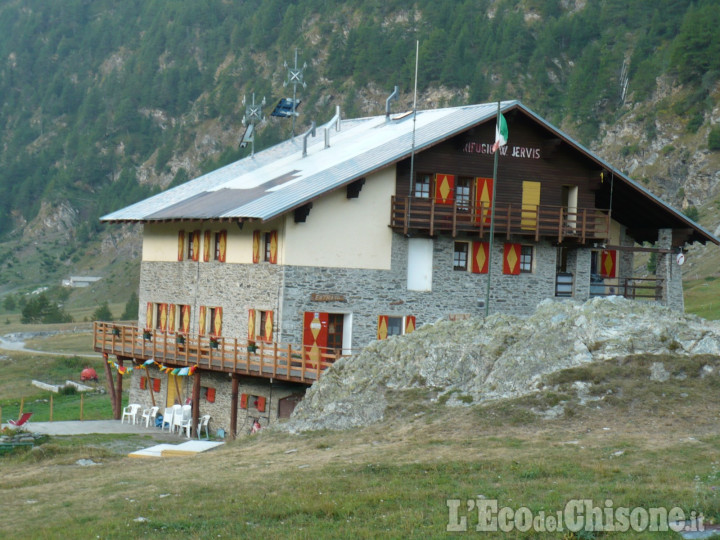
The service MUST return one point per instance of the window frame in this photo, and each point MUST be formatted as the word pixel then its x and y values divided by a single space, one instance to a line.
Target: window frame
pixel 464 267
pixel 463 201
pixel 527 266
pixel 422 193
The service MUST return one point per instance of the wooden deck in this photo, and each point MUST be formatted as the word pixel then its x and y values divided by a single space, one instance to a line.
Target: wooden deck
pixel 557 222
pixel 229 355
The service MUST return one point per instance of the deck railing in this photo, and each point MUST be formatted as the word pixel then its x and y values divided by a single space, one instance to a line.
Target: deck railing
pixel 633 288
pixel 298 363
pixel 538 221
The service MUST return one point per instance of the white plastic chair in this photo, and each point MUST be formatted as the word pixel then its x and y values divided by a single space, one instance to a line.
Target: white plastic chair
pixel 203 423
pixel 187 427
pixel 130 412
pixel 149 415
pixel 168 417
pixel 182 417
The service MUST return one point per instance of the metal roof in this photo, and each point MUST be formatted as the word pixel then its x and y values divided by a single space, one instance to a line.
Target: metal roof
pixel 281 178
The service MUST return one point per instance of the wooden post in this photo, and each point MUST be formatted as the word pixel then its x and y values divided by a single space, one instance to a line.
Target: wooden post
pixel 195 403
pixel 51 407
pixel 234 405
pixel 22 405
pixel 118 391
pixel 82 396
pixel 111 387
pixel 149 383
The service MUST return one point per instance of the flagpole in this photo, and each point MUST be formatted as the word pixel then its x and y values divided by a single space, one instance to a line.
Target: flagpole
pixel 492 220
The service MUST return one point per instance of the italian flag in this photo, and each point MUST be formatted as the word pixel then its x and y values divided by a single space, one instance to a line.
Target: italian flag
pixel 501 133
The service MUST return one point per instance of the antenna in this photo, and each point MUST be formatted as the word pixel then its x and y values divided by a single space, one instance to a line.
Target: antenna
pixel 295 77
pixel 253 115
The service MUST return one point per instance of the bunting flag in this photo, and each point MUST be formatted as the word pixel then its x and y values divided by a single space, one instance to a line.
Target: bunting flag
pixel 182 372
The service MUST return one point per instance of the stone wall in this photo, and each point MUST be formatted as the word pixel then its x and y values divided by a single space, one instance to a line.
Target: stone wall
pixel 220 409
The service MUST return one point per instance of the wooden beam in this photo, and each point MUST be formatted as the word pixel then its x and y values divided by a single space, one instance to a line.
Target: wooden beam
pixel 118 391
pixel 111 386
pixel 638 249
pixel 195 402
pixel 234 405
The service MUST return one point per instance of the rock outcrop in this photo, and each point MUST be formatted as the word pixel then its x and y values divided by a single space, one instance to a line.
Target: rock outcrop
pixel 503 356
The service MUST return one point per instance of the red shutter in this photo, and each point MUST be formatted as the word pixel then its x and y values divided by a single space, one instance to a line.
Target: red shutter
pixel 171 318
pixel 217 328
pixel 480 257
pixel 261 404
pixel 251 324
pixel 206 246
pixel 382 328
pixel 608 263
pixel 444 188
pixel 181 245
pixel 409 324
pixel 149 316
pixel 267 332
pixel 511 259
pixel 211 395
pixel 483 199
pixel 163 317
pixel 156 385
pixel 243 401
pixel 256 247
pixel 222 250
pixel 315 334
pixel 273 247
pixel 185 322
pixel 201 324
pixel 143 383
pixel 196 245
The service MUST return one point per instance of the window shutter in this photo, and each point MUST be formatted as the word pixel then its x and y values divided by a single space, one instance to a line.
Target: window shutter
pixel 273 247
pixel 149 316
pixel 217 329
pixel 256 247
pixel 201 329
pixel 261 404
pixel 143 383
pixel 382 330
pixel 409 324
pixel 196 245
pixel 268 330
pixel 206 246
pixel 181 245
pixel 608 263
pixel 156 385
pixel 185 323
pixel 251 324
pixel 511 259
pixel 171 318
pixel 315 335
pixel 480 257
pixel 211 395
pixel 483 199
pixel 163 317
pixel 444 188
pixel 223 246
pixel 243 401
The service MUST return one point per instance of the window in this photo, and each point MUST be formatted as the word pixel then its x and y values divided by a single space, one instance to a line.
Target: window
pixel 526 259
pixel 193 251
pixel 463 191
pixel 395 326
pixel 460 256
pixel 422 186
pixel 208 394
pixel 215 321
pixel 220 245
pixel 268 245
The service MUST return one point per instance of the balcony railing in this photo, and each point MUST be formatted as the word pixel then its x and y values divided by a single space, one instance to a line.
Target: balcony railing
pixel 297 363
pixel 633 288
pixel 537 221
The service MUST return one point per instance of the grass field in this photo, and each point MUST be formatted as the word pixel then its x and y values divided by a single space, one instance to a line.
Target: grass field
pixel 702 297
pixel 623 437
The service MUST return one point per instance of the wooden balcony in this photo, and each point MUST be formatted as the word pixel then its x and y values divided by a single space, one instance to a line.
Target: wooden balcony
pixel 633 288
pixel 556 222
pixel 278 361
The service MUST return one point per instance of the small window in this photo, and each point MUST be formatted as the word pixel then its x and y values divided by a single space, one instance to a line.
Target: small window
pixel 463 191
pixel 460 256
pixel 218 240
pixel 526 259
pixel 422 186
pixel 268 245
pixel 208 394
pixel 191 247
pixel 395 326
